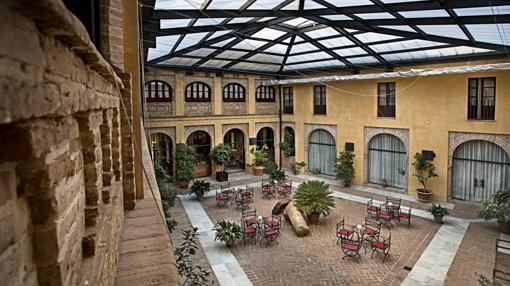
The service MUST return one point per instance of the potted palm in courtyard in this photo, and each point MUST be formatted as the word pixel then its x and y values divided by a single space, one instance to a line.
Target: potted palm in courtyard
pixel 261 157
pixel 199 189
pixel 221 155
pixel 498 207
pixel 314 198
pixel 185 165
pixel 227 232
pixel 438 212
pixel 345 168
pixel 423 171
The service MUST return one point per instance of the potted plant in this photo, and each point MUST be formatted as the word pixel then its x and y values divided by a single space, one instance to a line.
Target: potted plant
pixel 438 212
pixel 423 171
pixel 261 157
pixel 227 232
pixel 199 188
pixel 316 171
pixel 275 174
pixel 314 198
pixel 498 207
pixel 185 165
pixel 221 155
pixel 345 168
pixel 298 168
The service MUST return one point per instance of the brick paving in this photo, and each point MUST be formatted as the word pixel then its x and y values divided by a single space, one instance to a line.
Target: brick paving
pixel 316 259
pixel 475 256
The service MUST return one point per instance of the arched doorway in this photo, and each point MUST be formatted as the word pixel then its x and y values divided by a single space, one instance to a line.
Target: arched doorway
pixel 480 168
pixel 201 141
pixel 235 139
pixel 322 152
pixel 266 136
pixel 162 153
pixel 288 148
pixel 387 161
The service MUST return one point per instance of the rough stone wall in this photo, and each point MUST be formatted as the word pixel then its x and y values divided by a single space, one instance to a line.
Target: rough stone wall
pixel 66 156
pixel 111 32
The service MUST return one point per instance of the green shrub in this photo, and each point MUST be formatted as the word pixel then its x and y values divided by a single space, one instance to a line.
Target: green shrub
pixel 199 188
pixel 345 168
pixel 314 197
pixel 185 163
pixel 438 210
pixel 227 231
pixel 423 169
pixel 261 155
pixel 221 155
pixel 498 207
pixel 193 275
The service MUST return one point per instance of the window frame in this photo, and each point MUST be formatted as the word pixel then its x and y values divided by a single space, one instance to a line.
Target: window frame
pixel 201 87
pixel 228 94
pixel 319 100
pixel 288 100
pixel 156 98
pixel 479 111
pixel 265 93
pixel 387 110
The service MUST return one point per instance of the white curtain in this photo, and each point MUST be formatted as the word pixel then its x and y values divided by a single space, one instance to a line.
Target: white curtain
pixel 322 152
pixel 387 161
pixel 479 169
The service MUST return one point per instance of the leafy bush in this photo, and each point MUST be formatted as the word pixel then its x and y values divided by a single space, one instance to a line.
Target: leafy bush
pixel 227 231
pixel 316 171
pixel 345 168
pixel 314 197
pixel 199 188
pixel 185 163
pixel 498 207
pixel 261 155
pixel 423 169
pixel 161 174
pixel 221 155
pixel 288 146
pixel 193 275
pixel 296 166
pixel 438 210
pixel 168 195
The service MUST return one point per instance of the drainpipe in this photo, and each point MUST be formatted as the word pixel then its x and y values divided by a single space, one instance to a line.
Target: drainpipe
pixel 280 109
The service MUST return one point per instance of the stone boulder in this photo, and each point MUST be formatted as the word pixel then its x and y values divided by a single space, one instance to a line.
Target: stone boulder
pixel 280 206
pixel 297 220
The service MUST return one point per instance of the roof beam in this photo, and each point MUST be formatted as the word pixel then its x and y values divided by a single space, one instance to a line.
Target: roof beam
pixel 287 53
pixel 398 7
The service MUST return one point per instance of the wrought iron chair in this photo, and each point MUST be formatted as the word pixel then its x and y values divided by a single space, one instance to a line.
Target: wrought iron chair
pixel 268 234
pixel 285 189
pixel 268 190
pixel 385 216
pixel 342 231
pixel 393 205
pixel 249 217
pixel 351 248
pixel 405 215
pixel 251 190
pixel 371 231
pixel 249 232
pixel 372 209
pixel 242 201
pixel 272 222
pixel 227 191
pixel 382 246
pixel 221 199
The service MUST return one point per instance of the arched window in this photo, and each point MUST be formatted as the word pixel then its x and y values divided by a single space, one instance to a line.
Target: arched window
pixel 198 91
pixel 233 92
pixel 158 91
pixel 265 94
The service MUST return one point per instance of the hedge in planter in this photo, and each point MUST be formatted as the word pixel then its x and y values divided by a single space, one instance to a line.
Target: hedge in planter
pixel 221 155
pixel 314 198
pixel 185 164
pixel 345 168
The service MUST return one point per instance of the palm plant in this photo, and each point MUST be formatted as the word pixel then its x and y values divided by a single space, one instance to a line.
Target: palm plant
pixel 314 198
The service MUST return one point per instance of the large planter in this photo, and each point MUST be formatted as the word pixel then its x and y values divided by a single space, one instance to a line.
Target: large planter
pixel 221 176
pixel 202 170
pixel 182 184
pixel 438 219
pixel 504 228
pixel 258 171
pixel 424 195
pixel 313 218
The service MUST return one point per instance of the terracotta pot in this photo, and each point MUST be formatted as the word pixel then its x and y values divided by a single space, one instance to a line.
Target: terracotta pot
pixel 199 196
pixel 424 195
pixel 438 219
pixel 313 218
pixel 258 171
pixel 504 228
pixel 182 184
pixel 221 176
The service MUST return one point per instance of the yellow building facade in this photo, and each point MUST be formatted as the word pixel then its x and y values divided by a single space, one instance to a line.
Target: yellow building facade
pixel 431 113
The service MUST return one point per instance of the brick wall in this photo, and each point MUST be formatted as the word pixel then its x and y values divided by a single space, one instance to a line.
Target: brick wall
pixel 66 156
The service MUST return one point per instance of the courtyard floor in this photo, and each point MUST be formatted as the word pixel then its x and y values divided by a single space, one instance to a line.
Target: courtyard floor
pixel 317 260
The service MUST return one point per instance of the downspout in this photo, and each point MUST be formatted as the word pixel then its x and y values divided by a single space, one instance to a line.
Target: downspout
pixel 280 109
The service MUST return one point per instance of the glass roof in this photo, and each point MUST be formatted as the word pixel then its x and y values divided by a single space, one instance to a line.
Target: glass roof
pixel 289 36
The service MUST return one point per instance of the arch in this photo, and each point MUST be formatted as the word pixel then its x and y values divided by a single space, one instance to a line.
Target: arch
pixel 197 91
pixel 479 169
pixel 202 142
pixel 322 152
pixel 265 93
pixel 387 161
pixel 235 138
pixel 158 91
pixel 234 92
pixel 162 151
pixel 266 136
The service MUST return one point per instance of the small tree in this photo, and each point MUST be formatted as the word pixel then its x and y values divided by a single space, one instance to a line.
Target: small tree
pixel 221 155
pixel 185 163
pixel 261 155
pixel 193 275
pixel 423 169
pixel 345 168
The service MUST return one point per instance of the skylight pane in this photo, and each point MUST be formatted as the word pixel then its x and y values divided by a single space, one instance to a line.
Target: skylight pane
pixel 368 16
pixel 278 48
pixel 203 52
pixel 266 19
pixel 248 44
pixel 305 47
pixel 215 63
pixel 491 33
pixel 190 40
pixel 374 37
pixel 296 21
pixel 208 22
pixel 346 3
pixel 350 52
pixel 266 58
pixel 424 14
pixel 180 61
pixel 163 46
pixel 231 54
pixel 436 53
pixel 363 60
pixel 265 4
pixel 338 17
pixel 178 4
pixel 308 57
pixel 321 64
pixel 268 33
pixel 399 1
pixel 400 28
pixel 177 23
pixel 240 20
pixel 321 33
pixel 336 42
pixel 292 6
pixel 223 43
pixel 225 4
pixel 452 31
pixel 219 33
pixel 496 10
pixel 257 67
pixel 403 45
pixel 310 4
